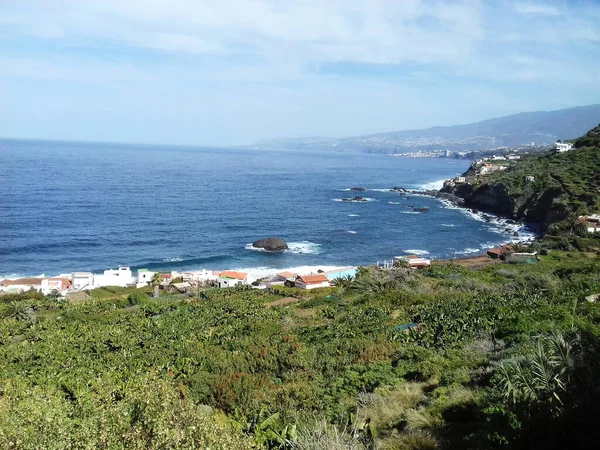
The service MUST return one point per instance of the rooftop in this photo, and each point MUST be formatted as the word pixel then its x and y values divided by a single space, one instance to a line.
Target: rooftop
pixel 21 281
pixel 314 279
pixel 287 274
pixel 234 274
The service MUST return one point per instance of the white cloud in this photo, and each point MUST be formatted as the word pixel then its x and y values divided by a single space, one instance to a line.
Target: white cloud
pixel 537 9
pixel 377 31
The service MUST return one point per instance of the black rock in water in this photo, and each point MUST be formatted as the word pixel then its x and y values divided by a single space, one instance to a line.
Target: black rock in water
pixel 355 199
pixel 360 189
pixel 272 244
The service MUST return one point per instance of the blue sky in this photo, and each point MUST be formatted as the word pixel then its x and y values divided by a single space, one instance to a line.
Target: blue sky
pixel 229 72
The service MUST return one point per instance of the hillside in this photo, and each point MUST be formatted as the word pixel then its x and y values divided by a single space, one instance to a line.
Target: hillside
pixel 563 185
pixel 541 127
pixel 395 359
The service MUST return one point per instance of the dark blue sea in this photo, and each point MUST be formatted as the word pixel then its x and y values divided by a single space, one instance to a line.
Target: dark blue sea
pixel 81 206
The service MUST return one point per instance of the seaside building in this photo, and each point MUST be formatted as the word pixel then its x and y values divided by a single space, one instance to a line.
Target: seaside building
pixel 58 284
pixel 562 147
pixel 231 278
pixel 414 261
pixel 46 286
pixel 144 278
pixel 529 179
pixel 499 252
pixel 21 285
pixel 592 222
pixel 82 280
pixel 121 277
pixel 312 281
pixel 281 279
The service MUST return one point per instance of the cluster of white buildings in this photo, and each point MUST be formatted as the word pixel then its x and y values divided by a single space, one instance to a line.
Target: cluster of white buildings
pixel 561 147
pixel 591 222
pixel 178 281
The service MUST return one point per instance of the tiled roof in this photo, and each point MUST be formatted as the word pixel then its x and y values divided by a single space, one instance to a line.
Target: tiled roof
pixel 314 279
pixel 20 281
pixel 287 274
pixel 234 274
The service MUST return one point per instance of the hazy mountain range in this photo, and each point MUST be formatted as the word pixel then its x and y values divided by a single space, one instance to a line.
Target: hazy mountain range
pixel 541 127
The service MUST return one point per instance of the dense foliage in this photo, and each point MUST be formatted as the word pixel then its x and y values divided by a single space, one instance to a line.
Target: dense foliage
pixel 332 369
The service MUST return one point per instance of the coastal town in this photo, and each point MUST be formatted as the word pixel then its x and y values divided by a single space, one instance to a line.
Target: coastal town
pixel 185 281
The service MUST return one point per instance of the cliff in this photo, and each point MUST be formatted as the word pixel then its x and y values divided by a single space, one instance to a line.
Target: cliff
pixel 543 188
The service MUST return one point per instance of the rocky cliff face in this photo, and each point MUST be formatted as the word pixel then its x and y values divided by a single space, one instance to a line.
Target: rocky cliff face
pixel 544 206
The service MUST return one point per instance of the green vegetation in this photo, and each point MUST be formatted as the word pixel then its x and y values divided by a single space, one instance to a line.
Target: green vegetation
pixel 566 185
pixel 505 356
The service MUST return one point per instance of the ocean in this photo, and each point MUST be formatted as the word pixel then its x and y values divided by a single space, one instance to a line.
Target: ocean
pixel 81 206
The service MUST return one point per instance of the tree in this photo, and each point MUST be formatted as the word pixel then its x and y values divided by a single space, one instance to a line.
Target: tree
pixel 155 284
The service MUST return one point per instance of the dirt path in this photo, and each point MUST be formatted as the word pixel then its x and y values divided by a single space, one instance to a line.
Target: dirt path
pixel 283 302
pixel 473 262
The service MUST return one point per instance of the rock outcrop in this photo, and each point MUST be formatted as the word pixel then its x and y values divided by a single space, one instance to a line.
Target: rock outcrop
pixel 271 244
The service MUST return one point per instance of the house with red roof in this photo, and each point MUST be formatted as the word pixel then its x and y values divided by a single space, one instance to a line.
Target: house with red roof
pixel 312 281
pixel 231 278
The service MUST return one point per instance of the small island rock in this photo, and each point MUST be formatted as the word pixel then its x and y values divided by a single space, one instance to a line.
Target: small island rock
pixel 272 244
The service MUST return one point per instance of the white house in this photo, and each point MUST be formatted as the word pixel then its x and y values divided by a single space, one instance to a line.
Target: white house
pixel 460 180
pixel 513 157
pixel 82 280
pixel 144 277
pixel 281 278
pixel 414 261
pixel 231 278
pixel 530 179
pixel 205 276
pixel 60 285
pixel 312 281
pixel 114 277
pixel 591 222
pixel 21 285
pixel 561 147
pixel 44 285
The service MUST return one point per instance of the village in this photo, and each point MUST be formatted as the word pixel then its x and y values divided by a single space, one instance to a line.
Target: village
pixel 499 163
pixel 183 282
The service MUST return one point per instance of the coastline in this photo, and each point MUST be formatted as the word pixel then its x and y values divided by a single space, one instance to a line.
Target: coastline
pixel 503 226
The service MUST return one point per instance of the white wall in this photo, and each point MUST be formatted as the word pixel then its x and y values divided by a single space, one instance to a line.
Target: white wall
pixel 83 281
pixel 301 285
pixel 229 282
pixel 114 277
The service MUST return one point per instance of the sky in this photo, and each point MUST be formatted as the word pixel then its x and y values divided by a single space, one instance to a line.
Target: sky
pixel 229 72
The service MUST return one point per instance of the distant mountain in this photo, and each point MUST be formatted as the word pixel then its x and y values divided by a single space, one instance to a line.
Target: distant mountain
pixel 541 127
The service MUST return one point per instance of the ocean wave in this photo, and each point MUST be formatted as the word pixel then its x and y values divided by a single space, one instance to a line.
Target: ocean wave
pixel 394 203
pixel 495 224
pixel 173 259
pixel 409 212
pixel 468 251
pixel 379 190
pixel 298 248
pixel 447 224
pixel 417 252
pixel 432 185
pixel 353 215
pixel 352 232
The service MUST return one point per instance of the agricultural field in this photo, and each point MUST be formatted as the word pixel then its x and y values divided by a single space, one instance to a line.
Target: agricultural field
pixel 505 356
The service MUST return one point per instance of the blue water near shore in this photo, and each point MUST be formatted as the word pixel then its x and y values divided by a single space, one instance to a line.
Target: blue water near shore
pixel 81 206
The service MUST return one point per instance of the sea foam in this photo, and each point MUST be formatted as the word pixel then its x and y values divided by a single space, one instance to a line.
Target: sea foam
pixel 298 248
